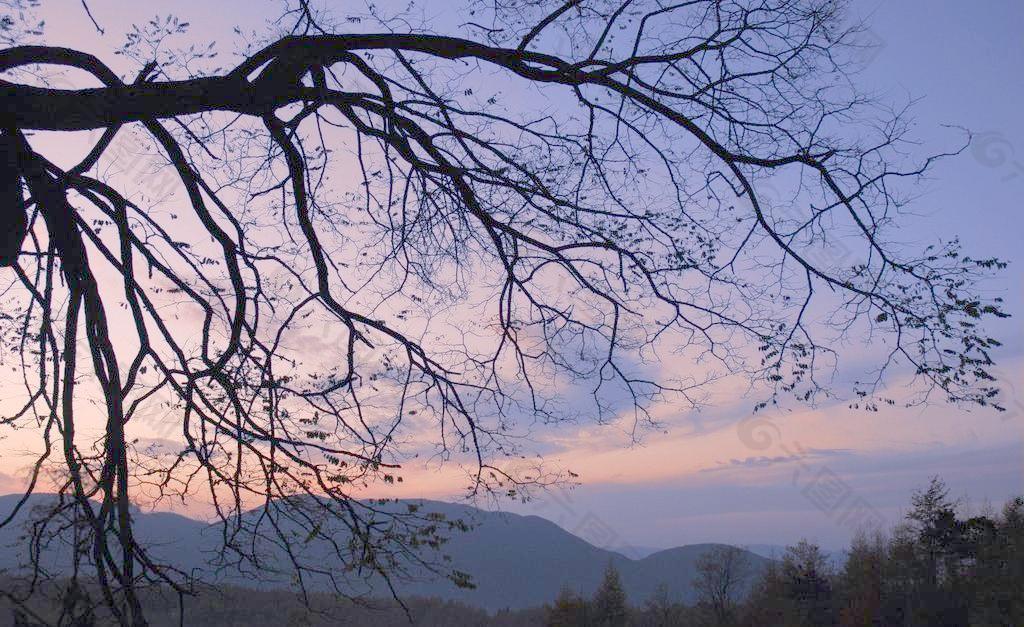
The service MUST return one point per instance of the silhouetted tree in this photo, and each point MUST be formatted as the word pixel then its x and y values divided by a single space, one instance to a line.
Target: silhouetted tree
pixel 933 515
pixel 568 610
pixel 937 537
pixel 999 569
pixel 860 584
pixel 610 606
pixel 796 592
pixel 939 569
pixel 805 574
pixel 704 178
pixel 767 604
pixel 722 574
pixel 659 610
pixel 77 610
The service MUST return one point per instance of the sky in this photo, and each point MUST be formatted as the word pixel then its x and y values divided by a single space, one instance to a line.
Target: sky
pixel 961 63
pixel 722 475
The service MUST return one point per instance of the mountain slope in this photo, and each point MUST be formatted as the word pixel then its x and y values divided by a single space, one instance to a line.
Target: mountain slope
pixel 514 561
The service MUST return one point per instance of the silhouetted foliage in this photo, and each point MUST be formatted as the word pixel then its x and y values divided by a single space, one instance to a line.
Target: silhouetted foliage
pixel 610 604
pixel 721 575
pixel 701 176
pixel 936 569
pixel 568 610
pixel 659 610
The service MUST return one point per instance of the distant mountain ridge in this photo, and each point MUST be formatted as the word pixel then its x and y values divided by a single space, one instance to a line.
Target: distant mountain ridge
pixel 515 561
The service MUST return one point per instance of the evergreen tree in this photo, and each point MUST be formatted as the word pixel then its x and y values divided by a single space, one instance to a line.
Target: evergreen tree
pixel 860 591
pixel 805 574
pixel 610 600
pixel 767 604
pixel 569 610
pixel 996 568
pixel 933 515
pixel 936 569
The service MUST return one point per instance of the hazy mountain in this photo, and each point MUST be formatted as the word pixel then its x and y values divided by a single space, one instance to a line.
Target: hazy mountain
pixel 640 552
pixel 515 561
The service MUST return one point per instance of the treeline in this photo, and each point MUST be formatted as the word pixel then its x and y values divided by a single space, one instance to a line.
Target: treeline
pixel 230 606
pixel 937 568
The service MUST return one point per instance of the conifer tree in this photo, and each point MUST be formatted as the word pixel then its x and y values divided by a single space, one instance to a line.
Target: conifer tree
pixel 610 600
pixel 569 610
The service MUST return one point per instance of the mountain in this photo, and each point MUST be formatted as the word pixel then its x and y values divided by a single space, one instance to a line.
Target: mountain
pixel 170 537
pixel 515 561
pixel 639 552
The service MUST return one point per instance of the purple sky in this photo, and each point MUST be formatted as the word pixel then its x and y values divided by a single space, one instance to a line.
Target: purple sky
pixel 704 481
pixel 962 61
